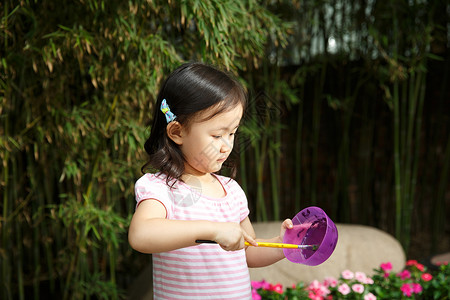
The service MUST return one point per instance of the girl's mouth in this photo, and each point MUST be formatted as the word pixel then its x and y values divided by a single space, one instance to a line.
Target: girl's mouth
pixel 221 160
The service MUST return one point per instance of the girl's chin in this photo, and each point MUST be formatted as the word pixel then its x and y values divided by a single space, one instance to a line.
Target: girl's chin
pixel 211 168
pixel 215 167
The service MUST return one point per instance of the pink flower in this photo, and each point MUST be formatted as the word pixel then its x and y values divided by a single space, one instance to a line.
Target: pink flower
pixel 314 285
pixel 277 288
pixel 344 289
pixel 409 288
pixel 255 295
pixel 347 274
pixel 405 274
pixel 324 290
pixel 426 276
pixel 416 288
pixel 414 263
pixel 361 277
pixel 313 296
pixel 330 281
pixel 358 288
pixel 406 289
pixel 420 267
pixel 386 267
pixel 368 280
pixel 370 296
pixel 256 284
pixel 411 262
pixel 317 289
pixel 260 284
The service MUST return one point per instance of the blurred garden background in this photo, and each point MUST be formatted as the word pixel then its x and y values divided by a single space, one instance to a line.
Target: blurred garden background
pixel 349 108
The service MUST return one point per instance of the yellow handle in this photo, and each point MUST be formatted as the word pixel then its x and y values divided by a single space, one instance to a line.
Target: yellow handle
pixel 281 245
pixel 271 245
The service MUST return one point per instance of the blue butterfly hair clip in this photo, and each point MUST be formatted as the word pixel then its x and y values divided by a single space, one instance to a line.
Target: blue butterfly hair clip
pixel 166 111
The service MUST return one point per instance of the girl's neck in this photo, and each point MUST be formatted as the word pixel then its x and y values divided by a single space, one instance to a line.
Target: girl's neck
pixel 202 178
pixel 207 183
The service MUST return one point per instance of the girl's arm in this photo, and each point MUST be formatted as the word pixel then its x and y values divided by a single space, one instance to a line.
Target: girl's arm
pixel 151 232
pixel 263 256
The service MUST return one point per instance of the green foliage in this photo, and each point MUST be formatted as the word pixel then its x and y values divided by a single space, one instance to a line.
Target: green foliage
pixel 78 81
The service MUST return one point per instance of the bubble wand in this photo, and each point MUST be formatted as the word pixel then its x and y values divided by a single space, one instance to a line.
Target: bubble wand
pixel 311 241
pixel 270 245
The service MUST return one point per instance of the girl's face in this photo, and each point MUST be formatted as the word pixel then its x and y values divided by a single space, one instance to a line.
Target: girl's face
pixel 207 144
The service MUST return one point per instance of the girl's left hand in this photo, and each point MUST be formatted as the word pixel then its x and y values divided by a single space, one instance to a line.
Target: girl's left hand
pixel 287 224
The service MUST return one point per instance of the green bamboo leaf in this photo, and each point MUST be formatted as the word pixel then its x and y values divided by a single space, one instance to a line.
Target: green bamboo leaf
pixel 435 57
pixel 97 235
pixel 4 63
pixel 13 142
pixel 65 28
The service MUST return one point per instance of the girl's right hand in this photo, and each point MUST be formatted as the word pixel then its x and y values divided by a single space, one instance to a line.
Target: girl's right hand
pixel 231 237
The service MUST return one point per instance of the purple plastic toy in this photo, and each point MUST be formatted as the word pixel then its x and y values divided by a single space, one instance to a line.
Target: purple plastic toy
pixel 312 226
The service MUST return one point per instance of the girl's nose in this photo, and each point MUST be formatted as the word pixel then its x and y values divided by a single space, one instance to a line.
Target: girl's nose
pixel 227 144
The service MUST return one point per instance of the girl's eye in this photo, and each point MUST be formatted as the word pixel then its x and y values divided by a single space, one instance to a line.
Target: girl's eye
pixel 217 136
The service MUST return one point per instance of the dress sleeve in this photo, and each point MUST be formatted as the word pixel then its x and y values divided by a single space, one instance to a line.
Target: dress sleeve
pixel 244 207
pixel 242 198
pixel 150 186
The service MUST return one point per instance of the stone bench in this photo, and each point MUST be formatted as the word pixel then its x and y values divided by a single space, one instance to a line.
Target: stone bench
pixel 359 248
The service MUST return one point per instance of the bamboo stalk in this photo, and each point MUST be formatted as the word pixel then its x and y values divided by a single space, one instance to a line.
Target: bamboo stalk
pixel 6 279
pixel 397 139
pixel 36 234
pixel 418 129
pixel 261 170
pixel 298 152
pixel 365 171
pixel 317 107
pixel 96 259
pixel 397 164
pixel 71 270
pixel 414 129
pixel 243 163
pixel 261 206
pixel 19 260
pixel 49 188
pixel 439 203
pixel 344 155
pixel 18 233
pixel 112 267
pixel 274 186
pixel 274 164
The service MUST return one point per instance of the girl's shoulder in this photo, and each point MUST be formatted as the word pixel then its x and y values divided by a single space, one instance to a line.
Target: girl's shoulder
pixel 152 179
pixel 151 186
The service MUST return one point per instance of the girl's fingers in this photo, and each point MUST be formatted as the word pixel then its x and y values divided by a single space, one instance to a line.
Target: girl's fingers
pixel 288 224
pixel 249 238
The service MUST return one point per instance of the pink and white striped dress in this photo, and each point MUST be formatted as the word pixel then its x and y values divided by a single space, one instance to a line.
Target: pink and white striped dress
pixel 205 271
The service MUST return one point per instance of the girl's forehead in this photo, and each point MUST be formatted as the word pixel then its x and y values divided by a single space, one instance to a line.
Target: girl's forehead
pixel 220 111
pixel 217 120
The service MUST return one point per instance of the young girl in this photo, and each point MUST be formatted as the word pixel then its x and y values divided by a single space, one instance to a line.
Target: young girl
pixel 199 109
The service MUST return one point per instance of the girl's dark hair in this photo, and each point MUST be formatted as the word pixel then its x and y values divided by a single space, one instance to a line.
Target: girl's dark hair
pixel 190 89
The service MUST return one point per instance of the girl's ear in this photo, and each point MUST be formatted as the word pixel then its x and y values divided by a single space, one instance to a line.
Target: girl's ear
pixel 174 132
